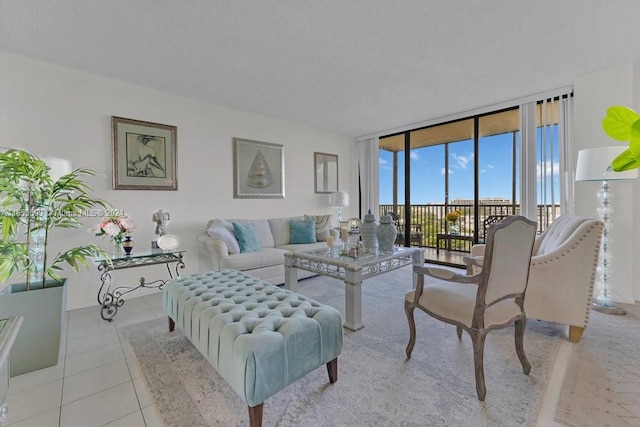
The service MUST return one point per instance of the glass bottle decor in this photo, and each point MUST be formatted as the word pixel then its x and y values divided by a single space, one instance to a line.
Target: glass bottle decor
pixel 368 232
pixel 386 233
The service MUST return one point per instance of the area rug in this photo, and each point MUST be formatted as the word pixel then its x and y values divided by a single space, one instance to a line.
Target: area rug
pixel 377 385
pixel 603 376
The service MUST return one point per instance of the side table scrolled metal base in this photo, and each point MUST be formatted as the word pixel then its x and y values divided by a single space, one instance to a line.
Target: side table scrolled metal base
pixel 111 299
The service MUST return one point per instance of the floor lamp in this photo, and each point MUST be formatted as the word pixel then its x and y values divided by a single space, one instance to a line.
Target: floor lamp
pixel 594 165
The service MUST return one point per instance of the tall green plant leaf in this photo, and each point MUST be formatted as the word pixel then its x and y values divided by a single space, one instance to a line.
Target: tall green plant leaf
pixel 625 161
pixel 618 121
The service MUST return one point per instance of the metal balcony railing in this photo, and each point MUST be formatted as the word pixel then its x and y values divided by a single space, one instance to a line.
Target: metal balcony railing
pixel 429 219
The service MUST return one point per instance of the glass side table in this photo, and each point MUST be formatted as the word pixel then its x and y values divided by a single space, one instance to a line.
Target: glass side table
pixel 111 299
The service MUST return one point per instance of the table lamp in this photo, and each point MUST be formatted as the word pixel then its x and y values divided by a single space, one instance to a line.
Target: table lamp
pixel 339 199
pixel 594 164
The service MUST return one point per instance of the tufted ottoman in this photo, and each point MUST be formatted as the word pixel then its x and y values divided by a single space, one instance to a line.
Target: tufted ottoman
pixel 259 337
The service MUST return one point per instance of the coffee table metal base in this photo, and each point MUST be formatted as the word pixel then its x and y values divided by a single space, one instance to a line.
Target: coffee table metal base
pixel 351 271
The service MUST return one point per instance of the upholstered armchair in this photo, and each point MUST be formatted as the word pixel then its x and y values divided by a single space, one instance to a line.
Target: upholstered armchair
pixel 563 270
pixel 492 299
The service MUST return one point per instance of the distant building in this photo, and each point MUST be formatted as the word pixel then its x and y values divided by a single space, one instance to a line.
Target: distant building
pixel 470 202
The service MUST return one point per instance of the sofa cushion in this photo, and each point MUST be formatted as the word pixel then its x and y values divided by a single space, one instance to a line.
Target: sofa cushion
pixel 265 257
pixel 302 231
pixel 247 237
pixel 217 231
pixel 323 226
pixel 280 229
pixel 262 228
pixel 557 233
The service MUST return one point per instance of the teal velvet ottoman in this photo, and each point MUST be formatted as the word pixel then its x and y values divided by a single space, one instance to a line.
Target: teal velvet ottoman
pixel 259 337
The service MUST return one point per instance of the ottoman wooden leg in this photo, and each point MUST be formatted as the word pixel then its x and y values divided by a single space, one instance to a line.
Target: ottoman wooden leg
pixel 172 324
pixel 332 369
pixel 255 415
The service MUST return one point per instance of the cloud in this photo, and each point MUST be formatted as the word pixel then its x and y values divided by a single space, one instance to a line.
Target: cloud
pixel 550 169
pixel 443 170
pixel 462 161
pixel 383 164
pixel 414 155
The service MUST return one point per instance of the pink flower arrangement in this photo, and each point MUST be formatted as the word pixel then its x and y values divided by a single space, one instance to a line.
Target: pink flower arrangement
pixel 116 227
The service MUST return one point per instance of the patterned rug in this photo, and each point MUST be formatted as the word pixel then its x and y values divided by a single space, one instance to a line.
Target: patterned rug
pixel 602 381
pixel 377 385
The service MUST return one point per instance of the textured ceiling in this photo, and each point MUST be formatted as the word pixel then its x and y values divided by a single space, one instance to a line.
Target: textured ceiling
pixel 356 66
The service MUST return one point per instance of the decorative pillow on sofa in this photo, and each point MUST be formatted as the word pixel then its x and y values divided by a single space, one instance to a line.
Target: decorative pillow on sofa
pixel 323 226
pixel 302 231
pixel 217 231
pixel 247 237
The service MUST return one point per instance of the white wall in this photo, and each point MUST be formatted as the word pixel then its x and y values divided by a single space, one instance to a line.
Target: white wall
pixel 594 93
pixel 58 111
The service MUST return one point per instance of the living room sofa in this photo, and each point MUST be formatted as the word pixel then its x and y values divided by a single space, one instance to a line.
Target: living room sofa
pixel 218 251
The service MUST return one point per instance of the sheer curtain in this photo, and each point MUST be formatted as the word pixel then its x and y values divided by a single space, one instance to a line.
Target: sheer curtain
pixel 368 163
pixel 546 160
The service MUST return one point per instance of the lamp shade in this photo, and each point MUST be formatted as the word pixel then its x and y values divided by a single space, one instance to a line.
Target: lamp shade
pixel 339 198
pixel 593 165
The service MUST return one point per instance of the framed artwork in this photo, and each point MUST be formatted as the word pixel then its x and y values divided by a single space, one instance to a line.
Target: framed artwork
pixel 258 170
pixel 144 155
pixel 326 172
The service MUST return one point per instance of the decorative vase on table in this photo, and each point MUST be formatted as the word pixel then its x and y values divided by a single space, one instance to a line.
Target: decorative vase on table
pixel 127 245
pixel 117 247
pixel 454 228
pixel 368 232
pixel 386 233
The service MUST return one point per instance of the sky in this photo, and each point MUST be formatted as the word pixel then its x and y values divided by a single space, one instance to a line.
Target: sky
pixel 495 157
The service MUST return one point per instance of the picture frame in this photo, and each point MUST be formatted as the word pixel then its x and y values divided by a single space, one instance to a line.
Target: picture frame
pixel 144 155
pixel 325 172
pixel 258 169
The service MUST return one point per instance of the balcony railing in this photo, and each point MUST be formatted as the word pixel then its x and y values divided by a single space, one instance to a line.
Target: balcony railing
pixel 430 220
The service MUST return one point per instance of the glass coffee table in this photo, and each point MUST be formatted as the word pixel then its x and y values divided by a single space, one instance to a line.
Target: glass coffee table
pixel 351 270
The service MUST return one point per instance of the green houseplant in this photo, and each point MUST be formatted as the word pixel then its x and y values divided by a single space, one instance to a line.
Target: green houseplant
pixel 32 205
pixel 623 124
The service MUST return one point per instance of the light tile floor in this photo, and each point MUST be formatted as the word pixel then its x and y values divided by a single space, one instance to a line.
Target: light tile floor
pixel 97 383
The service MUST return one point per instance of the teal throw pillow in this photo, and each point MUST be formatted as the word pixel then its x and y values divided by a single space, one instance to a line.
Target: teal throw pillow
pixel 247 237
pixel 302 231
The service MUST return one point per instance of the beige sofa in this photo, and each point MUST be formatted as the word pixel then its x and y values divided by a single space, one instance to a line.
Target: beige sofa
pixel 562 275
pixel 217 251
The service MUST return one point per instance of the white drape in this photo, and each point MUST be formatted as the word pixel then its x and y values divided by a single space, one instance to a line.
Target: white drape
pixel 537 158
pixel 368 164
pixel 528 164
pixel 565 133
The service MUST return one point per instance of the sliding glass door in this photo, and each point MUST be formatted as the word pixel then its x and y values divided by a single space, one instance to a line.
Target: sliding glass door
pixel 448 182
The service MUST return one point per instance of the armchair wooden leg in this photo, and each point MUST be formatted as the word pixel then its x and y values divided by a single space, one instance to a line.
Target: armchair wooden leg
pixel 408 309
pixel 172 324
pixel 520 327
pixel 332 369
pixel 459 332
pixel 255 415
pixel 478 361
pixel 575 333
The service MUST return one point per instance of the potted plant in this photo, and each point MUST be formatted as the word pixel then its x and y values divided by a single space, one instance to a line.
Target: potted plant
pixel 32 205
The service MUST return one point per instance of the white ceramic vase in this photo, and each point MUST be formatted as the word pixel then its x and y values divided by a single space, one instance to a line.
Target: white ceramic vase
pixel 368 232
pixel 386 233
